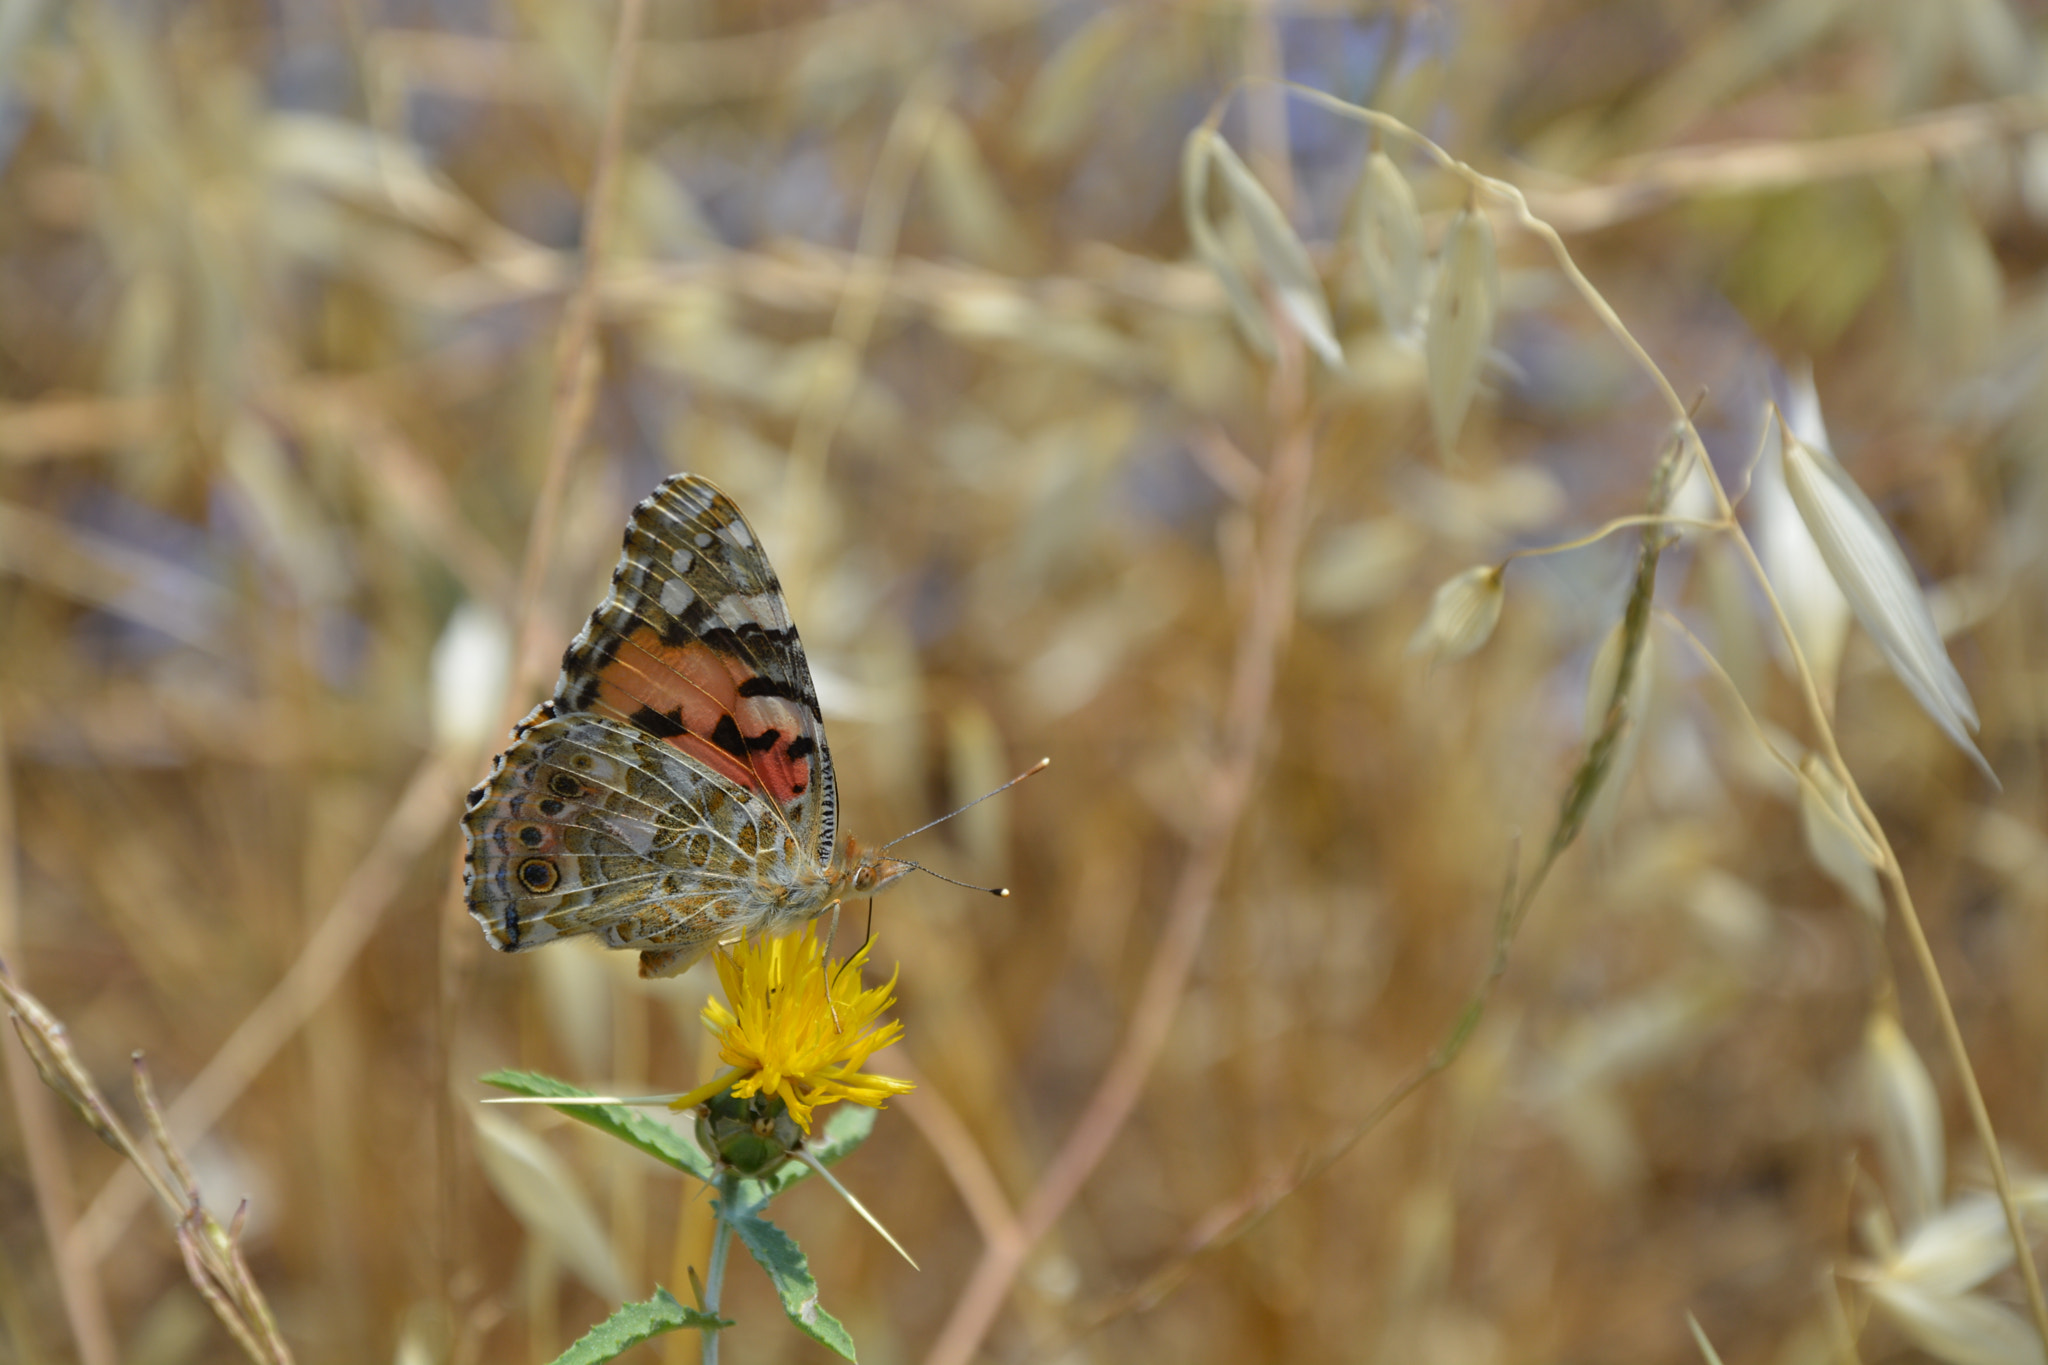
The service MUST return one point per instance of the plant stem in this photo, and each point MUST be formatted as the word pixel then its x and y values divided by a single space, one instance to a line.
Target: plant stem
pixel 1889 867
pixel 1894 876
pixel 714 1273
pixel 1262 636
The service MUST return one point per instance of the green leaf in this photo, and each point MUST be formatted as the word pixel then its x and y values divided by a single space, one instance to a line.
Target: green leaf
pixel 844 1132
pixel 658 1140
pixel 634 1323
pixel 779 1255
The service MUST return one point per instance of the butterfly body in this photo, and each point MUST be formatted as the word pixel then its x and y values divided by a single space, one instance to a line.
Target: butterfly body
pixel 676 791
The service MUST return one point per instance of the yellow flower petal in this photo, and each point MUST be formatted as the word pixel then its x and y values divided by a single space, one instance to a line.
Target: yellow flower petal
pixel 798 1031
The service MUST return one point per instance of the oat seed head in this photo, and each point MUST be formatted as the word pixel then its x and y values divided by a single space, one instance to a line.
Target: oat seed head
pixel 1906 1116
pixel 1460 330
pixel 1870 569
pixel 1387 234
pixel 1462 614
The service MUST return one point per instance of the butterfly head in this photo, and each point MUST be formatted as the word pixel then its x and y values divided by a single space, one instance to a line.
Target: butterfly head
pixel 869 871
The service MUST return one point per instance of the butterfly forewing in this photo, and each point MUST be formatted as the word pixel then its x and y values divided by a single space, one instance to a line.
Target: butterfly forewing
pixel 694 646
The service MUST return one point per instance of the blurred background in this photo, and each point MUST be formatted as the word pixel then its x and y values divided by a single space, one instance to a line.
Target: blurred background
pixel 280 293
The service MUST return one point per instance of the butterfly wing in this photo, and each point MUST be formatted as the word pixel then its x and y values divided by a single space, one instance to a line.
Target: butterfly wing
pixel 589 826
pixel 677 789
pixel 694 647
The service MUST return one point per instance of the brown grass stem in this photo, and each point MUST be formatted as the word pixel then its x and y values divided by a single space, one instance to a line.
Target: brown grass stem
pixel 974 1179
pixel 1889 869
pixel 417 823
pixel 577 364
pixel 212 1257
pixel 1268 617
pixel 1894 876
pixel 812 278
pixel 49 1172
pixel 1637 186
pixel 1233 1218
pixel 223 1276
pixel 61 427
pixel 223 1308
pixel 834 381
pixel 865 42
pixel 49 1169
pixel 573 395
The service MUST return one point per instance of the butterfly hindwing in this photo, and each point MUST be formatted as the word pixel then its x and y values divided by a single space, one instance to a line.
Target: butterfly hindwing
pixel 587 826
pixel 694 647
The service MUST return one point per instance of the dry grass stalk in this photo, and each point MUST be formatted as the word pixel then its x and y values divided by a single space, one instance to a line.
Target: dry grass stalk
pixel 295 364
pixel 212 1254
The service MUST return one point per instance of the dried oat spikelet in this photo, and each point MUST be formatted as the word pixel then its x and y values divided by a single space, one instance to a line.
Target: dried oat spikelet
pixel 1210 248
pixel 1461 316
pixel 1870 569
pixel 1291 276
pixel 1926 1278
pixel 1387 237
pixel 1462 614
pixel 1907 1118
pixel 1814 606
pixel 1834 836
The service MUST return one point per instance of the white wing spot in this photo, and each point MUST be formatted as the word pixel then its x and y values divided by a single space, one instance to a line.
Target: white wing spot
pixel 703 539
pixel 676 597
pixel 764 607
pixel 738 531
pixel 681 561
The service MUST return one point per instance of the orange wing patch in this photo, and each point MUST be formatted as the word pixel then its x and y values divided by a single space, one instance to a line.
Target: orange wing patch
pixel 687 696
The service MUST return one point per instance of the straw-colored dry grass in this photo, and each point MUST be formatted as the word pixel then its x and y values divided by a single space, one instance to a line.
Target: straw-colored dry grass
pixel 281 295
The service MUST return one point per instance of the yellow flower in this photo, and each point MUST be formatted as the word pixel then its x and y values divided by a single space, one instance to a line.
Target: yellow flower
pixel 780 1036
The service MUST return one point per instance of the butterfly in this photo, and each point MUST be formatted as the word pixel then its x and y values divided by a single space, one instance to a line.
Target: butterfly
pixel 675 791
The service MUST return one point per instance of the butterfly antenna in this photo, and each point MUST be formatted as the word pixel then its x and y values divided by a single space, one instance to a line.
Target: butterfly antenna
pixel 991 890
pixel 1037 767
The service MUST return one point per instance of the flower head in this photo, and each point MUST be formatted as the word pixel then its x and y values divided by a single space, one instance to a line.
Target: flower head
pixel 797 1029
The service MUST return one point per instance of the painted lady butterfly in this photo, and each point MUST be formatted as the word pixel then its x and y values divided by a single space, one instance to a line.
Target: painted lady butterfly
pixel 676 790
